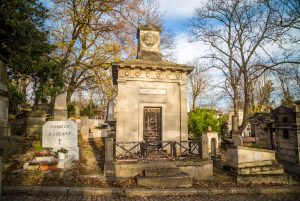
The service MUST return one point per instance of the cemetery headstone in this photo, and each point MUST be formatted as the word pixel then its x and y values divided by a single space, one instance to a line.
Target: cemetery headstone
pixel 60 107
pixel 61 134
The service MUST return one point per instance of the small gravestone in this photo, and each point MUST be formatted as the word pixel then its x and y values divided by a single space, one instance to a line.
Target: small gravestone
pixel 84 127
pixel 61 134
pixel 60 107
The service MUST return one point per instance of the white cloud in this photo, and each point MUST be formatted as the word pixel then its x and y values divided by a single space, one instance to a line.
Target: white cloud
pixel 180 8
pixel 185 51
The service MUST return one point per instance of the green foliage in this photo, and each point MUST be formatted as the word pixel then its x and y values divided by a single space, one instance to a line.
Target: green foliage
pixel 37 145
pixel 24 45
pixel 22 38
pixel 15 97
pixel 71 110
pixel 199 120
pixel 87 112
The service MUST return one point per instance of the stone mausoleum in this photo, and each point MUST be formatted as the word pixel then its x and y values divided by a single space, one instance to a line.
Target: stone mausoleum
pixel 152 95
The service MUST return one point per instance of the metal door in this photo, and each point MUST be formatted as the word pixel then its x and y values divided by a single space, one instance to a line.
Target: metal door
pixel 152 127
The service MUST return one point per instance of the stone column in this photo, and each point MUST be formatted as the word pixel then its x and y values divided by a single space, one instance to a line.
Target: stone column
pixel 183 112
pixel 109 149
pixel 109 168
pixel 121 111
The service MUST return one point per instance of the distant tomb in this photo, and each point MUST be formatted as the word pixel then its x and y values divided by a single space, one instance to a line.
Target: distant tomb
pixel 60 112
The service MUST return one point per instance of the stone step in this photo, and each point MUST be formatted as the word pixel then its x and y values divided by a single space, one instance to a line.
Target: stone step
pixel 264 179
pixel 162 172
pixel 268 169
pixel 165 182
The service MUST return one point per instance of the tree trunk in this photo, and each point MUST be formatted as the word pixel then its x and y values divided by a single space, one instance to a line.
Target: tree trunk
pixel 70 91
pixel 235 110
pixel 194 102
pixel 246 103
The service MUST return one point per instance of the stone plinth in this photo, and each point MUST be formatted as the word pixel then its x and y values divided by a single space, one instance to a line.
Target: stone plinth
pixel 197 170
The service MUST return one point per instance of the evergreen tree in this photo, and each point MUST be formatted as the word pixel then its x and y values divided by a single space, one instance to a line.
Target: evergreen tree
pixel 24 45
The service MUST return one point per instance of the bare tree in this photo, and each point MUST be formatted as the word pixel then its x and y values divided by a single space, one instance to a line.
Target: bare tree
pixel 261 90
pixel 240 34
pixel 288 83
pixel 198 83
pixel 90 35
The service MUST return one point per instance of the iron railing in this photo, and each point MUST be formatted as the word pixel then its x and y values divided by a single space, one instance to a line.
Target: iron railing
pixel 169 150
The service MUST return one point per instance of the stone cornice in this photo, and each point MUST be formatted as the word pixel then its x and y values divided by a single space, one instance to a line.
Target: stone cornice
pixel 148 65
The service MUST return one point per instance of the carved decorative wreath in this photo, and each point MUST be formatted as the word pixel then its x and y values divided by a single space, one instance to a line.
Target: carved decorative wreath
pixel 149 39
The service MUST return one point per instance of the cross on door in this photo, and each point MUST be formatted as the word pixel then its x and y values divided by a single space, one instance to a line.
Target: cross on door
pixel 59 141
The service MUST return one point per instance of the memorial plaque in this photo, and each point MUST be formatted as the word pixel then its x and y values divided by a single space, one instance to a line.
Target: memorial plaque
pixel 153 91
pixel 60 134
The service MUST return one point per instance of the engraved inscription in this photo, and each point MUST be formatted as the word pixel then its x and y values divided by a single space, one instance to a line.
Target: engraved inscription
pixel 153 91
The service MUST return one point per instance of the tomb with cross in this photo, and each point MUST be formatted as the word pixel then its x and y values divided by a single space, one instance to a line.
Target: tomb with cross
pixel 61 134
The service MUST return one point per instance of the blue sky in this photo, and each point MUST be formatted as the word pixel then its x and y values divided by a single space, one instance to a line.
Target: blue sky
pixel 176 15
